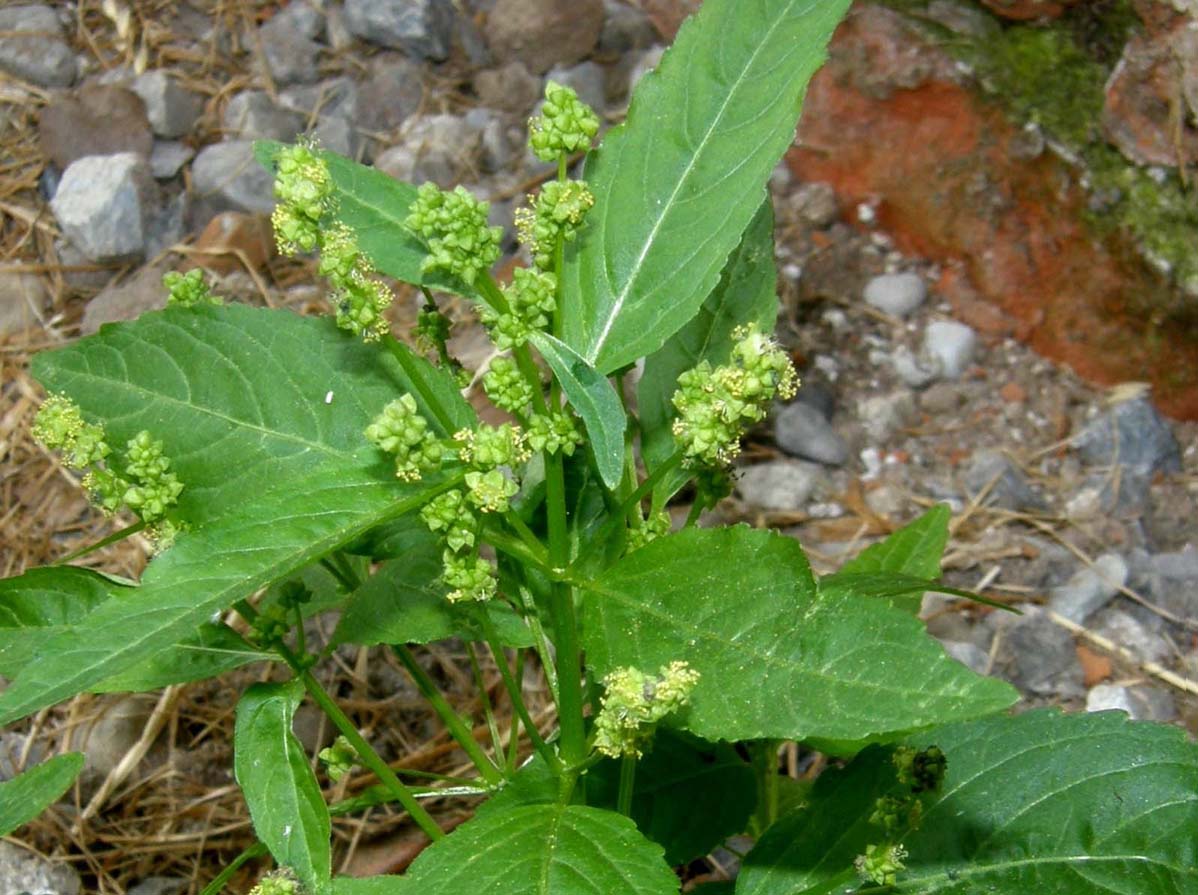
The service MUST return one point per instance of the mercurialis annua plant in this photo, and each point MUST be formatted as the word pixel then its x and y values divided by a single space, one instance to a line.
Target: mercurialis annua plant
pixel 653 685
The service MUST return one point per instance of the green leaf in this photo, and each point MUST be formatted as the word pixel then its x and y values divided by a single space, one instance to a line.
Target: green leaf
pixel 544 850
pixel 368 885
pixel 688 795
pixel 776 658
pixel 744 295
pixel 595 399
pixel 1040 802
pixel 243 398
pixel 405 602
pixel 214 649
pixel 678 183
pixel 25 796
pixel 284 798
pixel 374 206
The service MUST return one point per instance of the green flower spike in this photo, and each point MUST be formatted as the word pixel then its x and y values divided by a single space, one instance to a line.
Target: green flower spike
pixel 470 577
pixel 454 227
pixel 106 489
pixel 59 425
pixel 153 487
pixel 554 213
pixel 304 190
pixel 881 864
pixel 339 759
pixel 360 299
pixel 490 446
pixel 530 297
pixel 647 530
pixel 922 770
pixel 634 702
pixel 450 513
pixel 281 882
pixel 506 386
pixel 716 405
pixel 566 124
pixel 553 432
pixel 186 290
pixel 402 431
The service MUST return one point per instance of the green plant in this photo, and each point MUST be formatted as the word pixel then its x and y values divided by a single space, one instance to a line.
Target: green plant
pixel 293 465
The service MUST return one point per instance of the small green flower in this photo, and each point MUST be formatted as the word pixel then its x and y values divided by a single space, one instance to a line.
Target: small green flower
pixel 186 290
pixel 106 489
pixel 152 487
pixel 402 431
pixel 556 212
pixel 432 329
pixel 881 864
pixel 339 759
pixel 305 193
pixel 896 816
pixel 59 425
pixel 922 770
pixel 490 446
pixel 281 882
pixel 450 513
pixel 553 432
pixel 531 299
pixel 566 124
pixel 470 577
pixel 454 227
pixel 490 491
pixel 650 529
pixel 633 704
pixel 506 386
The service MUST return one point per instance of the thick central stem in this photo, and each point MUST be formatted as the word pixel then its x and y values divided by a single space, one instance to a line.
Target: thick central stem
pixel 565 624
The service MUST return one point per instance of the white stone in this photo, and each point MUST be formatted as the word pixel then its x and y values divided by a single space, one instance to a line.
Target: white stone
pixel 102 205
pixel 896 294
pixel 778 484
pixel 1090 588
pixel 952 344
pixel 172 111
pixel 32 47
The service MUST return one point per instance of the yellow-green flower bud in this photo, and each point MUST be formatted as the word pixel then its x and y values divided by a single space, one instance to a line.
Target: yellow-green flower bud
pixel 489 446
pixel 553 432
pixel 633 704
pixel 339 759
pixel 59 425
pixel 470 577
pixel 186 290
pixel 453 225
pixel 490 491
pixel 554 213
pixel 566 124
pixel 402 431
pixel 450 513
pixel 506 386
pixel 881 864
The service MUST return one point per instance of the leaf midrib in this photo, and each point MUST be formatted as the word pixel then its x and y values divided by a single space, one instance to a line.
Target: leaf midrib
pixel 911 878
pixel 622 296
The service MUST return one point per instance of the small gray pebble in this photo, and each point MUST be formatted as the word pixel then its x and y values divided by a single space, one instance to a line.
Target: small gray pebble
pixel 802 431
pixel 896 294
pixel 952 344
pixel 1089 589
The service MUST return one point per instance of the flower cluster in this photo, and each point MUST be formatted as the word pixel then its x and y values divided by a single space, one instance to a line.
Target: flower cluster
pixel 716 405
pixel 531 301
pixel 490 446
pixel 359 297
pixel 881 863
pixel 566 124
pixel 450 513
pixel 469 576
pixel 305 193
pixel 281 882
pixel 453 225
pixel 402 431
pixel 649 529
pixel 145 485
pixel 506 386
pixel 186 290
pixel 339 759
pixel 553 432
pixel 554 214
pixel 635 702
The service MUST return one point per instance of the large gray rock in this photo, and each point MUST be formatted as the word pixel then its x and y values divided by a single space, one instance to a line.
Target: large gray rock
pixel 168 157
pixel 1037 656
pixel 779 484
pixel 126 300
pixel 24 872
pixel 625 28
pixel 544 33
pixel 896 294
pixel 97 119
pixel 33 48
pixel 225 176
pixel 511 87
pixel 172 110
pixel 253 115
pixel 421 28
pixel 104 205
pixel 802 431
pixel 1009 490
pixel 336 97
pixel 1133 435
pixel 1090 588
pixel 288 46
pixel 392 92
pixel 444 149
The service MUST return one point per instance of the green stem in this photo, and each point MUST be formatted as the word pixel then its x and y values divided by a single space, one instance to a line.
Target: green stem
pixel 125 532
pixel 542 642
pixel 565 624
pixel 343 578
pixel 627 781
pixel 406 361
pixel 457 728
pixel 492 726
pixel 692 517
pixel 527 535
pixel 513 691
pixel 366 753
pixel 257 850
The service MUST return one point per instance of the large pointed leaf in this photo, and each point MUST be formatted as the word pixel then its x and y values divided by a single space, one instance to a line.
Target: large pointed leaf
pixel 1041 802
pixel 678 183
pixel 289 813
pixel 776 658
pixel 211 568
pixel 592 395
pixel 25 796
pixel 374 206
pixel 745 295
pixel 242 397
pixel 543 850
